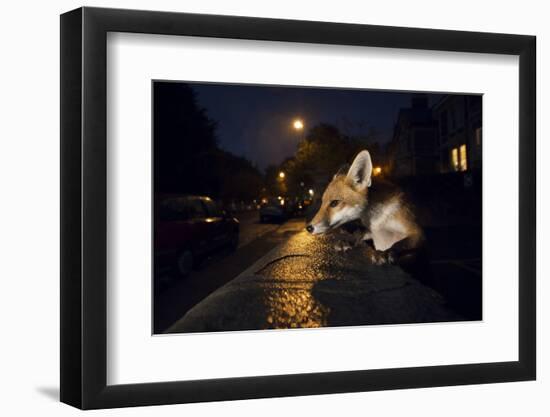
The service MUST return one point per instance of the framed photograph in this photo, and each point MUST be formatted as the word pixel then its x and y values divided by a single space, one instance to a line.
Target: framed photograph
pixel 257 208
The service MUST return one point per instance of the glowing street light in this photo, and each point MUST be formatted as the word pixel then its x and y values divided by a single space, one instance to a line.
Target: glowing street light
pixel 298 124
pixel 311 192
pixel 282 175
pixel 377 170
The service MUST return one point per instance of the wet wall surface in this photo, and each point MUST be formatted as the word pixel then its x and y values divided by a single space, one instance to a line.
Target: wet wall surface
pixel 305 283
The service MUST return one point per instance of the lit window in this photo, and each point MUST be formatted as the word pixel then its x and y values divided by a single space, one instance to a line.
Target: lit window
pixel 463 158
pixel 459 158
pixel 454 158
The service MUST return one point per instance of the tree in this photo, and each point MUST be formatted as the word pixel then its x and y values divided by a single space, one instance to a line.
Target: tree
pixel 238 178
pixel 183 135
pixel 318 156
pixel 324 150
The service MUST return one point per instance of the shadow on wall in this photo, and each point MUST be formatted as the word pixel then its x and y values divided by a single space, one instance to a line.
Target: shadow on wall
pixel 50 392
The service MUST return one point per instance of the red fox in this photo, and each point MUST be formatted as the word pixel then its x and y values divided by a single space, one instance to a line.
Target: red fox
pixel 378 213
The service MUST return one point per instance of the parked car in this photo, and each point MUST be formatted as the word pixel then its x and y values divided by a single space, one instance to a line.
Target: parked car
pixel 273 209
pixel 187 228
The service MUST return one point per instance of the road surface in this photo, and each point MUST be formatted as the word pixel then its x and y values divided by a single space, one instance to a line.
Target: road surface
pixel 251 228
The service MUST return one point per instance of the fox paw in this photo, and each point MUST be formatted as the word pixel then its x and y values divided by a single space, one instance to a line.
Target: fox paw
pixel 342 246
pixel 377 257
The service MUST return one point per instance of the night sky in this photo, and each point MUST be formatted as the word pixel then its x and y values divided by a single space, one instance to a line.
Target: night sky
pixel 256 121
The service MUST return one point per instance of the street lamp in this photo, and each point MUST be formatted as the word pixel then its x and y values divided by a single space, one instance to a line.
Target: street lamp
pixel 298 124
pixel 282 175
pixel 311 192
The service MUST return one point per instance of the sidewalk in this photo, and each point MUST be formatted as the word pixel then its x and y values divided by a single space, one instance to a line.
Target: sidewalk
pixel 304 283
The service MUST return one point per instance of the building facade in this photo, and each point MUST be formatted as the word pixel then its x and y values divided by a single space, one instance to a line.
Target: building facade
pixel 444 138
pixel 459 132
pixel 414 149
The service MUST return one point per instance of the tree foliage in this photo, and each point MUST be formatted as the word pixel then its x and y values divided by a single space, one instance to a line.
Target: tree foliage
pixel 321 153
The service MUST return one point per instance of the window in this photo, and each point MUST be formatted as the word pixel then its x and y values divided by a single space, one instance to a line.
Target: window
pixel 454 159
pixel 459 158
pixel 180 209
pixel 463 158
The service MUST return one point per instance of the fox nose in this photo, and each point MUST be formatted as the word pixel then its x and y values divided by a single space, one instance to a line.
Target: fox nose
pixel 310 228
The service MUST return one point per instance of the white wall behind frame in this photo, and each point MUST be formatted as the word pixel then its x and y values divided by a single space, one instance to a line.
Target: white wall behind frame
pixel 134 60
pixel 30 304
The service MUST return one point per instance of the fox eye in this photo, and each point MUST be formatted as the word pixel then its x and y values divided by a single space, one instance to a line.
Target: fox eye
pixel 334 203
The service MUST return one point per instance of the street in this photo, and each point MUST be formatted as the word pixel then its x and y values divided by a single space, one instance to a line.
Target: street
pixel 251 228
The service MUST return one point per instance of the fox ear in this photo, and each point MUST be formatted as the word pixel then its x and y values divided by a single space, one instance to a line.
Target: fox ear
pixel 360 171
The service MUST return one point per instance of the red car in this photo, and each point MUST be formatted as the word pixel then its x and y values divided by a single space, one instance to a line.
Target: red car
pixel 187 228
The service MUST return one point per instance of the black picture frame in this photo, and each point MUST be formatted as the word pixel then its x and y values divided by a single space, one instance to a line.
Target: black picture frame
pixel 84 207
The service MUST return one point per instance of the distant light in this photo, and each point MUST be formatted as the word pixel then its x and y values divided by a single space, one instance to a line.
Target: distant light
pixel 280 198
pixel 282 202
pixel 298 124
pixel 377 170
pixel 311 192
pixel 281 174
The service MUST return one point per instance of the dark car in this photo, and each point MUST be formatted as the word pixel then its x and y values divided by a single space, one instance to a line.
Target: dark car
pixel 303 206
pixel 187 228
pixel 273 209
